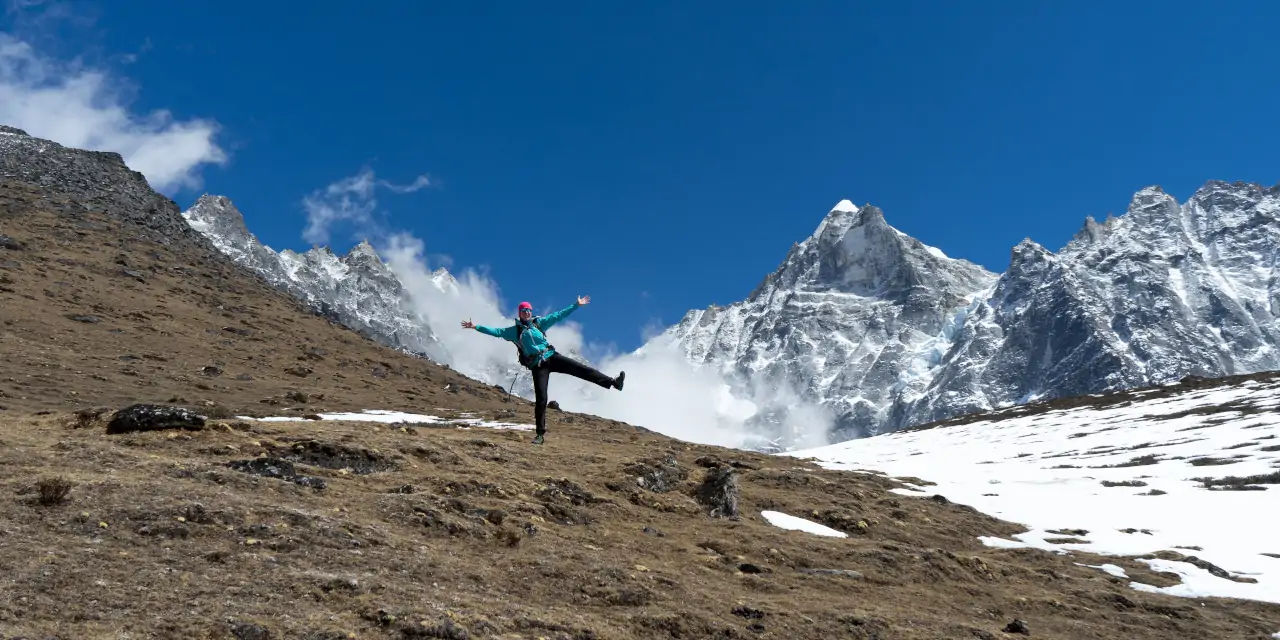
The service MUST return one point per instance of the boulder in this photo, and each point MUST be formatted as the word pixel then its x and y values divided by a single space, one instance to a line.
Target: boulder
pixel 719 492
pixel 154 417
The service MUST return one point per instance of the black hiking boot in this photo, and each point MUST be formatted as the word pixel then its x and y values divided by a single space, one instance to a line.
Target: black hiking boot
pixel 537 439
pixel 617 382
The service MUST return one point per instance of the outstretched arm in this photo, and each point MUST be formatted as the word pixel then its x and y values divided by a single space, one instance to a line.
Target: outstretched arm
pixel 557 316
pixel 506 333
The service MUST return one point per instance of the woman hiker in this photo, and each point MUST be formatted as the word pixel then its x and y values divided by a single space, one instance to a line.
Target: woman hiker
pixel 541 358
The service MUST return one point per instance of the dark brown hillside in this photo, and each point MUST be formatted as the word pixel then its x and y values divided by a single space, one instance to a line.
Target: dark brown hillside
pixel 326 530
pixel 94 312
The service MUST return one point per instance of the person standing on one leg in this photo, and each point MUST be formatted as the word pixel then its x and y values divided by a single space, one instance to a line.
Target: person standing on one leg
pixel 528 333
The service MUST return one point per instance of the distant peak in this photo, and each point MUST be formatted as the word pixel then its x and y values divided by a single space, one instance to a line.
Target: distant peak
pixel 210 199
pixel 1215 189
pixel 216 214
pixel 844 206
pixel 13 130
pixel 1029 248
pixel 362 249
pixel 1152 201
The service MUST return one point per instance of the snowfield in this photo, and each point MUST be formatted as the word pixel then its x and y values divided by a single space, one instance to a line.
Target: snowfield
pixel 396 417
pixel 1120 478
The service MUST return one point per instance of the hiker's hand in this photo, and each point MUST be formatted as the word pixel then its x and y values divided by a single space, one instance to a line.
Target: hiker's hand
pixel 584 300
pixel 467 324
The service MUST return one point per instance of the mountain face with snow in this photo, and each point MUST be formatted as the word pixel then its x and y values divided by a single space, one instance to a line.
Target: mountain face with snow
pixel 356 290
pixel 887 333
pixel 857 315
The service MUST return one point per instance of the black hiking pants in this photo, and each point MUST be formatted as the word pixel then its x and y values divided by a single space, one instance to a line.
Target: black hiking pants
pixel 559 364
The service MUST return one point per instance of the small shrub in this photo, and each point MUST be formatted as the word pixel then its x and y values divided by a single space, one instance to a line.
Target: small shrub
pixel 52 491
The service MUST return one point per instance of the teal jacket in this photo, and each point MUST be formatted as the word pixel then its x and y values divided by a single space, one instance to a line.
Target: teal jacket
pixel 532 342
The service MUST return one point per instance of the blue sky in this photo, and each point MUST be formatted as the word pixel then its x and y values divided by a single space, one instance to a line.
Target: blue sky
pixel 664 157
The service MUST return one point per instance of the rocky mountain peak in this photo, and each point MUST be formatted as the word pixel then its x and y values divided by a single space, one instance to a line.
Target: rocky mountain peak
pixel 99 180
pixel 363 254
pixel 1029 250
pixel 850 311
pixel 1218 194
pixel 855 250
pixel 1151 206
pixel 217 213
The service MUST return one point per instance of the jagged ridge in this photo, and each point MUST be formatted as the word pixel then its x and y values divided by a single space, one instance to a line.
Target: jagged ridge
pixel 888 333
pixel 356 290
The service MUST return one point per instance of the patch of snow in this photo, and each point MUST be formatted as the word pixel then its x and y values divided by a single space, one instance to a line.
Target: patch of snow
pixel 1179 285
pixel 792 523
pixel 396 417
pixel 1196 582
pixel 845 205
pixel 1002 543
pixel 1112 569
pixel 1047 471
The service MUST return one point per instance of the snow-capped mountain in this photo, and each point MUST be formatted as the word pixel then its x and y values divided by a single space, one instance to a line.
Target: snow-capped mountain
pixel 356 290
pixel 1164 291
pixel 857 316
pixel 887 333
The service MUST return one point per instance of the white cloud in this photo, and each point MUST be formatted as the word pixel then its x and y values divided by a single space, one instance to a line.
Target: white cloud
pixel 83 107
pixel 353 200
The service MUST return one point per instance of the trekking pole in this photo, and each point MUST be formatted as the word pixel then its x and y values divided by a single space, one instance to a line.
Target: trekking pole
pixel 513 383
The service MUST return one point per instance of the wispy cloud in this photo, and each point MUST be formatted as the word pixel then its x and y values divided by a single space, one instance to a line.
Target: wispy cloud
pixel 420 182
pixel 351 200
pixel 79 106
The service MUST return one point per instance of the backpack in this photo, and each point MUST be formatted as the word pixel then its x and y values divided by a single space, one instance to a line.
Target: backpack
pixel 528 361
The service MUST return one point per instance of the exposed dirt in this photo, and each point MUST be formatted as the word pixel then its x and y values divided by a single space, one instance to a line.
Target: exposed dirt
pixel 607 531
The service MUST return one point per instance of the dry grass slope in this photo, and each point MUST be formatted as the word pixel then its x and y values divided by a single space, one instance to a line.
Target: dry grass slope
pixel 326 530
